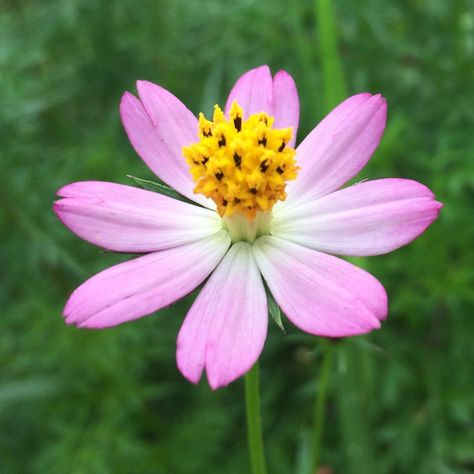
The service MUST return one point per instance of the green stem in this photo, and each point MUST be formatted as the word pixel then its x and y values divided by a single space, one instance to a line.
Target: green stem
pixel 334 84
pixel 320 405
pixel 254 423
pixel 335 90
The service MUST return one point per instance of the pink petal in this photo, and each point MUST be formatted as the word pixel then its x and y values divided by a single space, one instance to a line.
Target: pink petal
pixel 253 91
pixel 141 286
pixel 338 148
pixel 158 128
pixel 321 294
pixel 256 91
pixel 369 218
pixel 286 104
pixel 226 327
pixel 127 219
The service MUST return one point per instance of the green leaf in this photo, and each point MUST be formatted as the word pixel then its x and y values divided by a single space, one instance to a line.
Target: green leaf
pixel 274 311
pixel 160 188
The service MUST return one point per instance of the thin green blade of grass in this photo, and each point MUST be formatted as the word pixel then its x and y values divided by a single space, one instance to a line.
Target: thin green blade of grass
pixel 353 381
pixel 334 84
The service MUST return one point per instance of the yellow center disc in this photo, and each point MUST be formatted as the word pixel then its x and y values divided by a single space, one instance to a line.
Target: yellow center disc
pixel 242 165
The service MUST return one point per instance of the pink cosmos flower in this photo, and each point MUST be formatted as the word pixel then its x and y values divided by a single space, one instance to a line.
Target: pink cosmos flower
pixel 261 210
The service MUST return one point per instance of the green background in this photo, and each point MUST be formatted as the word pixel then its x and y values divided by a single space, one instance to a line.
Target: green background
pixel 76 401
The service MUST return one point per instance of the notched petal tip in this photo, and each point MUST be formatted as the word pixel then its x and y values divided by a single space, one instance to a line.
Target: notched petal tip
pixel 286 104
pixel 194 375
pixel 379 115
pixel 338 147
pixel 77 188
pixel 359 96
pixel 143 83
pixel 131 110
pixel 216 383
pixel 375 325
pixel 433 207
pixel 57 206
pixel 282 74
pixel 253 91
pixel 69 310
pixel 369 218
pixel 144 88
pixel 69 322
pixel 138 287
pixel 262 68
pixel 225 347
pixel 320 294
pixel 190 371
pixel 383 105
pixel 63 191
pixel 126 100
pixel 127 95
pixel 58 210
pixel 382 313
pixel 380 100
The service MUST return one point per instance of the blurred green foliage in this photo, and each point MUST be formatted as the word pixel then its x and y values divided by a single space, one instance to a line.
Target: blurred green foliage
pixel 71 401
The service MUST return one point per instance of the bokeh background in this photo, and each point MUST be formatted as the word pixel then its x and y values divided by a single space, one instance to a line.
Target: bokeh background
pixel 401 400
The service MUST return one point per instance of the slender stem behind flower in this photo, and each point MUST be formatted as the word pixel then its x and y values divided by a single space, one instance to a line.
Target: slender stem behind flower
pixel 254 423
pixel 334 86
pixel 320 406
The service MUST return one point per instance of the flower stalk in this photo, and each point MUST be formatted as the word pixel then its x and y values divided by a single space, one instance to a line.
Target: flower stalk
pixel 320 406
pixel 254 422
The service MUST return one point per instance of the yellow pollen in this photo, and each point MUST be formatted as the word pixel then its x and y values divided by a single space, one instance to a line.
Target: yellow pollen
pixel 242 165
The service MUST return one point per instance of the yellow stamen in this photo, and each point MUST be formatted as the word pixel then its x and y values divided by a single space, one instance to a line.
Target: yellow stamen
pixel 242 165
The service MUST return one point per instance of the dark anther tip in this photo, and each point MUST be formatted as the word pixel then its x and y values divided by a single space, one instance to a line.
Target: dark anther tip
pixel 237 160
pixel 238 123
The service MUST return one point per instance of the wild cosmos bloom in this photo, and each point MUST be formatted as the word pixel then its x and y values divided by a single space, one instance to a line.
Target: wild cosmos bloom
pixel 262 208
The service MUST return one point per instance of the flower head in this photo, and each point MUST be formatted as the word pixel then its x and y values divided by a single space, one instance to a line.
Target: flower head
pixel 263 209
pixel 242 165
